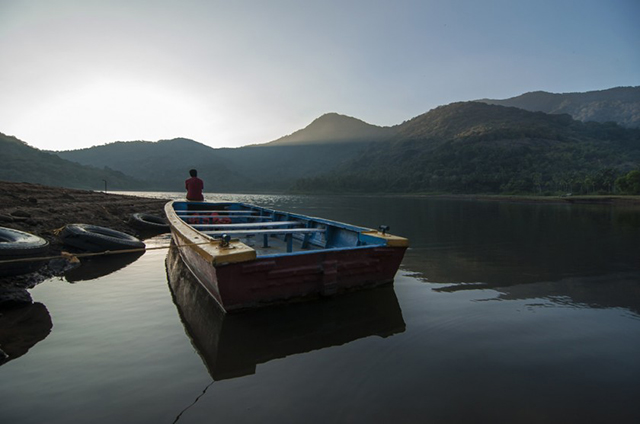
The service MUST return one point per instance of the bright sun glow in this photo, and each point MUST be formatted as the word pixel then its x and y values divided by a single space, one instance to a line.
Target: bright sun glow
pixel 122 110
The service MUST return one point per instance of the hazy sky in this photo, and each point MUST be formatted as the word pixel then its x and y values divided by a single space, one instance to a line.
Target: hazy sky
pixel 76 73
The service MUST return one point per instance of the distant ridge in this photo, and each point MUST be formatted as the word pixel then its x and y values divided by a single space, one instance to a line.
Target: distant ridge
pixel 164 164
pixel 23 163
pixel 467 119
pixel 620 105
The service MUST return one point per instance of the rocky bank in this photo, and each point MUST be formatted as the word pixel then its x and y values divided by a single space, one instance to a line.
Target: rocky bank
pixel 42 210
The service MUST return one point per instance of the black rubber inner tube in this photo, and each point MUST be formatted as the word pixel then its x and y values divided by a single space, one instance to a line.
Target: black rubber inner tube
pixel 15 244
pixel 148 221
pixel 93 238
pixel 18 243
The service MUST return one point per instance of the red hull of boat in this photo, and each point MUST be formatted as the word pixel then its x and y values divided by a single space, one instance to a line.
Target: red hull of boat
pixel 282 279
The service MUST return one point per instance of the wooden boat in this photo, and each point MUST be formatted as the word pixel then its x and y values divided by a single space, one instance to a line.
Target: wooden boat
pixel 248 256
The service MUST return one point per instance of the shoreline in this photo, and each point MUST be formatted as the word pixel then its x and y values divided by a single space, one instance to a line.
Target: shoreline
pixel 43 210
pixel 593 199
pixel 582 199
pixel 40 209
pixel 612 200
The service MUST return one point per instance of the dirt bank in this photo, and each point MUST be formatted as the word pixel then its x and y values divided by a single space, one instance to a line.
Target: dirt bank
pixel 41 210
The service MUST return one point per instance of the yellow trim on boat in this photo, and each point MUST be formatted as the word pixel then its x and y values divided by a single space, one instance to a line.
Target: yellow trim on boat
pixel 213 252
pixel 392 241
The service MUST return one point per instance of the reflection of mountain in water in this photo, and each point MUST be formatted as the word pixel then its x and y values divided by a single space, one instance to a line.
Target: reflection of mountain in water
pixel 100 266
pixel 607 291
pixel 232 345
pixel 506 244
pixel 580 287
pixel 529 250
pixel 21 329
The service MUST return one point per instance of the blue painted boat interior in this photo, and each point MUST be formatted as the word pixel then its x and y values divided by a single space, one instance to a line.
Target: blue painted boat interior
pixel 273 233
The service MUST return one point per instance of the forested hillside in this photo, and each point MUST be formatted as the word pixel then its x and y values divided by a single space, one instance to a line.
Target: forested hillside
pixel 327 142
pixel 163 165
pixel 620 105
pixel 23 163
pixel 478 148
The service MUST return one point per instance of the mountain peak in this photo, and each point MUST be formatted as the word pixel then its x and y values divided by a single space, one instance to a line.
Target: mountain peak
pixel 334 115
pixel 333 127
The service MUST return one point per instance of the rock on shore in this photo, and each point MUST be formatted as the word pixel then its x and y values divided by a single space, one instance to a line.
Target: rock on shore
pixel 42 210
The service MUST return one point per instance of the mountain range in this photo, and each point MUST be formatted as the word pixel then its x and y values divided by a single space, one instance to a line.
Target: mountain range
pixel 477 146
pixel 620 105
pixel 328 141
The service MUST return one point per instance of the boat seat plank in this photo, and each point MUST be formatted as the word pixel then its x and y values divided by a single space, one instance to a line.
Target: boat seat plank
pixel 183 212
pixel 270 231
pixel 183 217
pixel 247 225
pixel 287 232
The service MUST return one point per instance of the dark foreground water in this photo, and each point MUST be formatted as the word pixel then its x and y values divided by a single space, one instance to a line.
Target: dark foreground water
pixel 501 313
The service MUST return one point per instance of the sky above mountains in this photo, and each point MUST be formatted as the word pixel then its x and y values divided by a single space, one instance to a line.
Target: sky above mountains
pixel 78 73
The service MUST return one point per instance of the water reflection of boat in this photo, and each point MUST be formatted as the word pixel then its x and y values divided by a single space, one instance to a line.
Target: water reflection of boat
pixel 21 329
pixel 99 266
pixel 232 345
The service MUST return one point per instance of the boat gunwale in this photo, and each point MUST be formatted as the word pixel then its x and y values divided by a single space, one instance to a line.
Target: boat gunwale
pixel 385 240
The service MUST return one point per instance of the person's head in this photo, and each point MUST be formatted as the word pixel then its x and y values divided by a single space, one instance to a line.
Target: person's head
pixel 193 172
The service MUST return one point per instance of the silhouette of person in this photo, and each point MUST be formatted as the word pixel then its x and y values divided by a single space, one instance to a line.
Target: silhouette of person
pixel 194 186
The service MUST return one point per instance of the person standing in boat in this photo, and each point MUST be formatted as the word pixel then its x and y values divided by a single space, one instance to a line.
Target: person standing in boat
pixel 194 186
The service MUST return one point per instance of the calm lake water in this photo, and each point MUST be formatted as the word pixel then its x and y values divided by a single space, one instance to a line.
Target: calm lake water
pixel 501 313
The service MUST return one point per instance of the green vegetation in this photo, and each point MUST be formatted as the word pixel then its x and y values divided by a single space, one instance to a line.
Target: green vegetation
pixel 629 183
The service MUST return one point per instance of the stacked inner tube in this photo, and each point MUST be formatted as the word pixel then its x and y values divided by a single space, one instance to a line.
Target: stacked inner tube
pixel 92 238
pixel 148 222
pixel 16 244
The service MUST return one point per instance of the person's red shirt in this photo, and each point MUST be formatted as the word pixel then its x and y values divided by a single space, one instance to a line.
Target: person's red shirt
pixel 194 186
